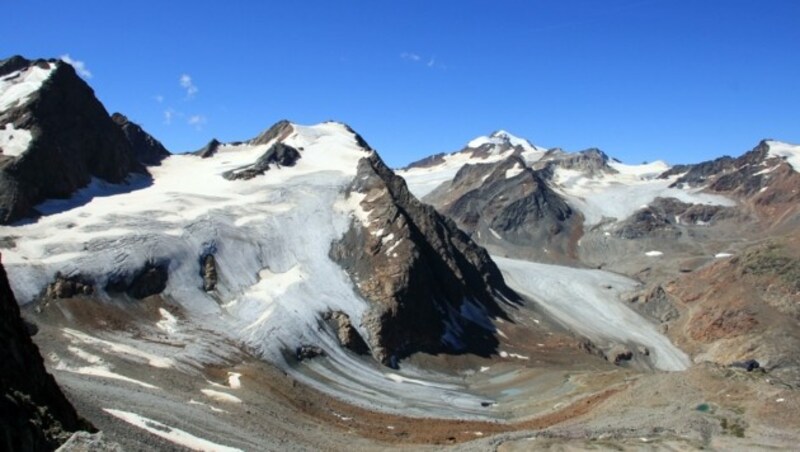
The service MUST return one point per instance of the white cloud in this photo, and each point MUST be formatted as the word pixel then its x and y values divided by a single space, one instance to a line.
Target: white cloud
pixel 416 58
pixel 168 115
pixel 80 66
pixel 188 85
pixel 159 98
pixel 197 121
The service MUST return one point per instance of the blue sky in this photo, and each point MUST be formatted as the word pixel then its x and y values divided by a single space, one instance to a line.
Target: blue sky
pixel 641 79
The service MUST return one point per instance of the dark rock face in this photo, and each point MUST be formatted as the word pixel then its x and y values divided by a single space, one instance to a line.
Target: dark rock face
pixel 430 287
pixel 748 365
pixel 348 335
pixel 69 286
pixel 208 150
pixel 278 154
pixel 34 414
pixel 305 352
pixel 512 215
pixel 149 280
pixel 147 149
pixel 208 270
pixel 74 139
pixel 619 353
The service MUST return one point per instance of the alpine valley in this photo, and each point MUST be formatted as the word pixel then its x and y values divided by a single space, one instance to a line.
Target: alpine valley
pixel 293 292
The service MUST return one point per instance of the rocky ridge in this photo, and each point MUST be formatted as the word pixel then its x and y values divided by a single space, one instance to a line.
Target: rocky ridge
pixel 431 288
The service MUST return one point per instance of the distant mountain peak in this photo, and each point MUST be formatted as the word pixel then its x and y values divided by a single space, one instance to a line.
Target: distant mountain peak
pixel 502 138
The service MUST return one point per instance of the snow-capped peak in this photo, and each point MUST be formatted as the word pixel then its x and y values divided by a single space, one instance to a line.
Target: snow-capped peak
pixel 501 137
pixel 786 151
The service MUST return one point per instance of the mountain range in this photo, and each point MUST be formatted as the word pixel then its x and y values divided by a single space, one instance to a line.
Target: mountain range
pixel 293 287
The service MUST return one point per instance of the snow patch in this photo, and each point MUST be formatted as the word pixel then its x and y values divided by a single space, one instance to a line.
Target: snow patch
pixel 76 336
pixel 234 380
pixel 211 407
pixel 168 322
pixel 654 253
pixel 97 368
pixel 171 434
pixel 220 396
pixel 514 171
pixel 16 87
pixel 13 141
pixel 722 255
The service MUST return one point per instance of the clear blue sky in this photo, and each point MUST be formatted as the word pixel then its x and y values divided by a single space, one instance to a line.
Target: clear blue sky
pixel 677 80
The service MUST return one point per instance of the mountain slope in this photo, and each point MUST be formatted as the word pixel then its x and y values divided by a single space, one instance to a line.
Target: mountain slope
pixel 248 212
pixel 55 137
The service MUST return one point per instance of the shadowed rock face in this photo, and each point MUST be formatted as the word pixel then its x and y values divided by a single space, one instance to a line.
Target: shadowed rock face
pixel 74 140
pixel 208 150
pixel 147 149
pixel 34 414
pixel 278 154
pixel 507 207
pixel 149 280
pixel 430 287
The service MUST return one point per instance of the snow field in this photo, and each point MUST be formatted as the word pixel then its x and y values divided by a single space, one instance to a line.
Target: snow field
pixel 580 300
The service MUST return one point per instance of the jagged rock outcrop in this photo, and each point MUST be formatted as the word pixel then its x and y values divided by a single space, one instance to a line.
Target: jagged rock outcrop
pixel 208 150
pixel 34 413
pixel 208 271
pixel 430 287
pixel 507 207
pixel 347 333
pixel 73 139
pixel 278 154
pixel 147 149
pixel 69 286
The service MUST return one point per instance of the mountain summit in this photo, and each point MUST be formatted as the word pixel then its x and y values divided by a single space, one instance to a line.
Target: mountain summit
pixel 55 137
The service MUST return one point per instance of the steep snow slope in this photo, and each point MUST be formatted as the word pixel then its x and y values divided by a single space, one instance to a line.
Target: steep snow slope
pixel 587 301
